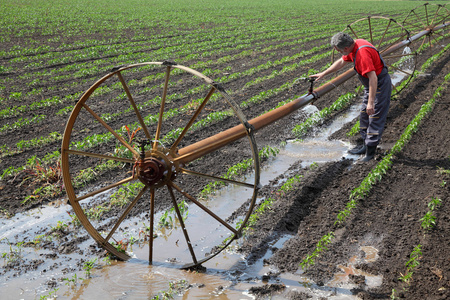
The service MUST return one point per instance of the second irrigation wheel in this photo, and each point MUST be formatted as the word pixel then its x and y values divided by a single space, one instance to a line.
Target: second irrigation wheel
pixel 429 17
pixel 157 132
pixel 383 33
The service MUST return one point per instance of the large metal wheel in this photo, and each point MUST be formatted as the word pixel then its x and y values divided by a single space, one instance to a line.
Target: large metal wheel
pixel 383 33
pixel 426 17
pixel 155 159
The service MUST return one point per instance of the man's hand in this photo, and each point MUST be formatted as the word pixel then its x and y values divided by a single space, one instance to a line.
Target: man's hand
pixel 370 109
pixel 337 65
pixel 318 76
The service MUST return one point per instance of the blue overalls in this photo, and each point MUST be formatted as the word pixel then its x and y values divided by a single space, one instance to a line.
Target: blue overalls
pixel 371 127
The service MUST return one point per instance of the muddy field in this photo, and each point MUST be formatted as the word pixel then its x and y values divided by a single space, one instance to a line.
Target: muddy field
pixel 388 219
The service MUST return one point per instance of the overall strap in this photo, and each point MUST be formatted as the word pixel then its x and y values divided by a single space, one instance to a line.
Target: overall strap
pixel 363 46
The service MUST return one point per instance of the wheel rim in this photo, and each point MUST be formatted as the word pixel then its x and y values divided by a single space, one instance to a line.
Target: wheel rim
pixel 156 167
pixel 383 33
pixel 426 17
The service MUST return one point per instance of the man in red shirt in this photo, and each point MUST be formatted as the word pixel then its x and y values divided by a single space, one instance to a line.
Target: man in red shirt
pixel 373 74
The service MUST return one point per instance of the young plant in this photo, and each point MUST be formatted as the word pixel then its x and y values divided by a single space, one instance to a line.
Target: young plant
pixel 72 281
pixel 74 220
pixel 429 220
pixel 354 130
pixel 88 266
pixel 50 295
pixel 411 264
pixel 14 254
pixel 166 220
pixel 320 247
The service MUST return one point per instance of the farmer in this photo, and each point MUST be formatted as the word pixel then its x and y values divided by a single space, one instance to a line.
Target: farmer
pixel 373 74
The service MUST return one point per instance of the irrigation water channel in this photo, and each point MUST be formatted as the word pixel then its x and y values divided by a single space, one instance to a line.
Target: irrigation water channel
pixel 227 275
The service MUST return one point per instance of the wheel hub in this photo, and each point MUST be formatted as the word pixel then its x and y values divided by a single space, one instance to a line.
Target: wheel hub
pixel 151 171
pixel 155 169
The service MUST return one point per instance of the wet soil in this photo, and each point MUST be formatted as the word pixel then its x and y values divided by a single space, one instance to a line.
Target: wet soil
pixel 387 219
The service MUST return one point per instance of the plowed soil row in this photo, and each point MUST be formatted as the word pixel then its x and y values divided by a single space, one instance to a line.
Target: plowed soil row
pixel 387 219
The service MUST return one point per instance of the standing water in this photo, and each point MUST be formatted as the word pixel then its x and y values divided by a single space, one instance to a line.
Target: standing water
pixel 227 276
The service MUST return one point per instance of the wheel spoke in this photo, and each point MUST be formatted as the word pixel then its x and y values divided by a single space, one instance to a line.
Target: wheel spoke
pixel 423 42
pixel 103 189
pixel 439 34
pixel 420 19
pixel 191 198
pixel 414 25
pixel 125 213
pixel 354 33
pixel 394 88
pixel 435 15
pixel 180 219
pixel 136 110
pixel 192 120
pixel 442 18
pixel 185 171
pixel 100 156
pixel 110 129
pixel 161 110
pixel 384 34
pixel 400 70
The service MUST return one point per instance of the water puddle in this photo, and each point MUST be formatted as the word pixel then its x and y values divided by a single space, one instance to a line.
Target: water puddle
pixel 227 275
pixel 352 275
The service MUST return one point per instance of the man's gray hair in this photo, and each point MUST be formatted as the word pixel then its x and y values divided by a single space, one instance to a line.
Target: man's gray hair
pixel 341 40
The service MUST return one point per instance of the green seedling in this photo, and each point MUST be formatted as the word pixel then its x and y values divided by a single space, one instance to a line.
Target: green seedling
pixel 72 281
pixel 411 264
pixel 320 247
pixel 168 218
pixel 74 220
pixel 50 295
pixel 354 130
pixel 60 226
pixel 88 266
pixel 14 254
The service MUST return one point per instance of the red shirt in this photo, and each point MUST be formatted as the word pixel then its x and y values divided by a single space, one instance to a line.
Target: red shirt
pixel 367 59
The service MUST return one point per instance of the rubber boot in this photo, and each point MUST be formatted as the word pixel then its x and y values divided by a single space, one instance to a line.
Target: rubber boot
pixel 358 150
pixel 370 153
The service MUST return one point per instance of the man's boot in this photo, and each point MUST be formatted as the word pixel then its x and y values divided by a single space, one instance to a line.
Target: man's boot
pixel 358 150
pixel 370 153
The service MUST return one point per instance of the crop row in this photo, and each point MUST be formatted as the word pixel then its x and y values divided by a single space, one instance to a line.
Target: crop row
pixel 428 221
pixel 17 96
pixel 378 171
pixel 94 140
pixel 258 98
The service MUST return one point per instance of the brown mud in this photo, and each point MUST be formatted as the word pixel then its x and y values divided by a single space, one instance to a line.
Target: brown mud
pixel 387 219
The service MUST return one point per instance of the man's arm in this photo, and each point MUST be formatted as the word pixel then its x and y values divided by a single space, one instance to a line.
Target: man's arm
pixel 336 66
pixel 373 84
